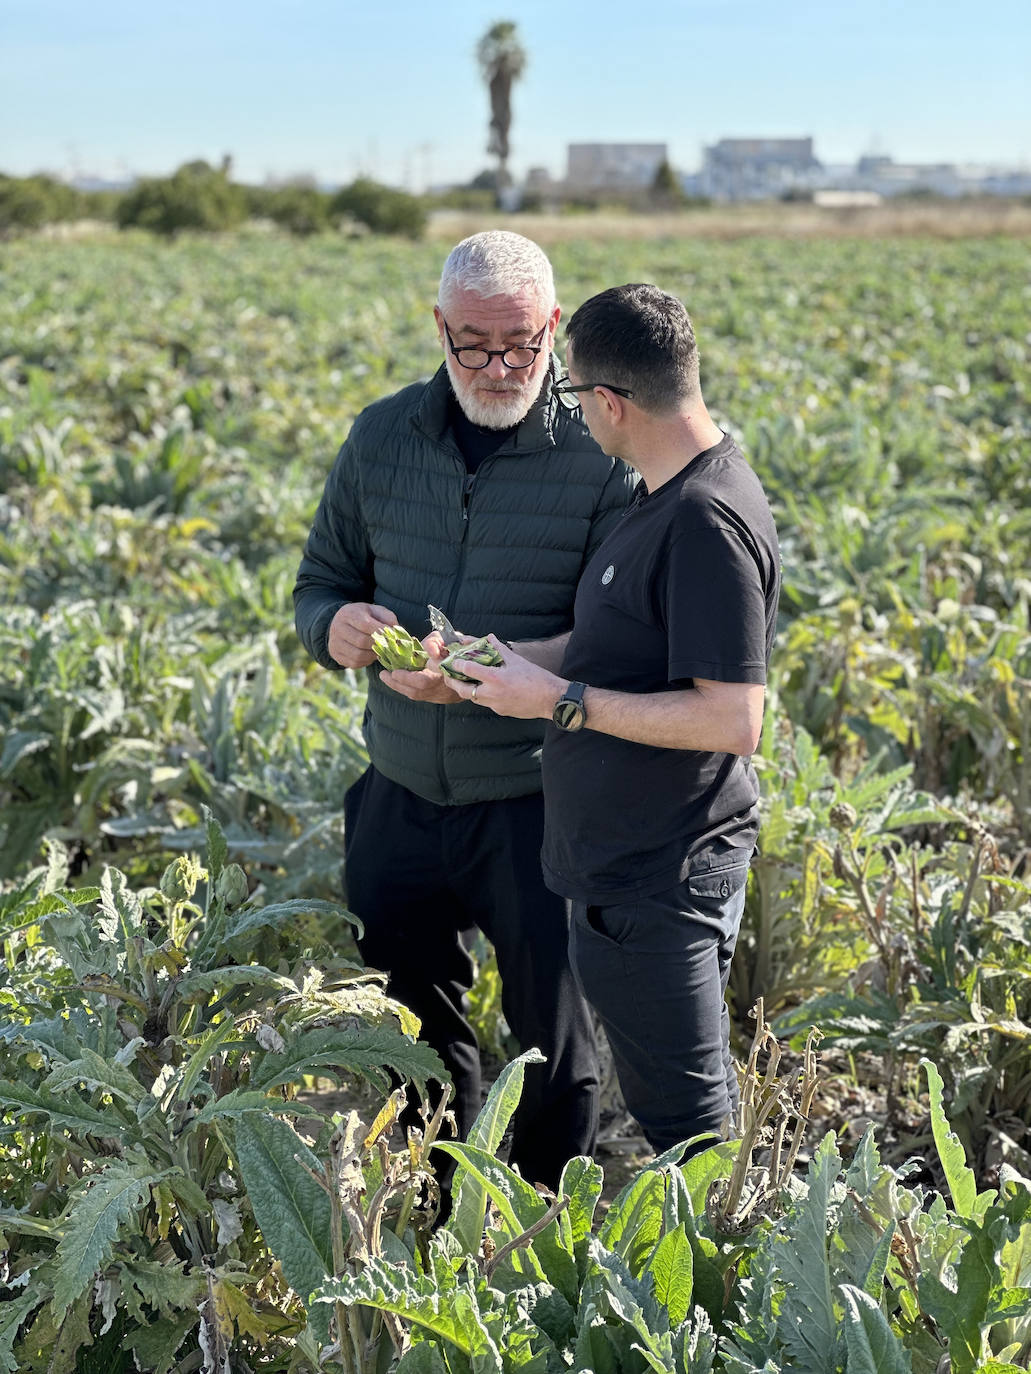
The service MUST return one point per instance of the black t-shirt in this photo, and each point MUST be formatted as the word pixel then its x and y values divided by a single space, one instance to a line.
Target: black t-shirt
pixel 685 586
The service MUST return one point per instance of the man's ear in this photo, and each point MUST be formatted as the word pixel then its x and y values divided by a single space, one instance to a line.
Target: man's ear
pixel 440 323
pixel 615 405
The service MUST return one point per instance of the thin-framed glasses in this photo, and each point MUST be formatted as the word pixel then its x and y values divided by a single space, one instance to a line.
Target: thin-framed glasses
pixel 566 391
pixel 473 357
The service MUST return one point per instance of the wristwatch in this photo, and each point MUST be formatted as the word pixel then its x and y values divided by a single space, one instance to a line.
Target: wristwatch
pixel 570 713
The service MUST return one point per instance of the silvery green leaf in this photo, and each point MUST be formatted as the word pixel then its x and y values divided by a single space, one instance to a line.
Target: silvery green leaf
pixel 582 1181
pixel 100 1206
pixel 127 1054
pixel 96 1072
pixel 65 1110
pixel 12 1313
pixel 292 1210
pixel 469 1193
pixel 368 1050
pixel 155 1345
pixel 873 1348
pixel 457 1318
pixel 807 1323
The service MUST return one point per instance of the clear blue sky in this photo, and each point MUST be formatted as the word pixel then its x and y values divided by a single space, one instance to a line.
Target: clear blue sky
pixel 334 88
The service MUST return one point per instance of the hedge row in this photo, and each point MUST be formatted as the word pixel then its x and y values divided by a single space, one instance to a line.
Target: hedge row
pixel 199 196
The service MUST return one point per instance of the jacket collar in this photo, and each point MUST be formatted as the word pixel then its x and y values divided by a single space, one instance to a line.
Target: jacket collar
pixel 535 432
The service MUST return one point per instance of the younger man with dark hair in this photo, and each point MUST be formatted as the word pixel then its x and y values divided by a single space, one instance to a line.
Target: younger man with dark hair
pixel 656 701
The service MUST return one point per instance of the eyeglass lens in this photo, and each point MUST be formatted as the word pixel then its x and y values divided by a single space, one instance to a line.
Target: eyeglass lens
pixel 480 357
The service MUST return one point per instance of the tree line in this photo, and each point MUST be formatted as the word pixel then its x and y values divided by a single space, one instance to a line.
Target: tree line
pixel 198 196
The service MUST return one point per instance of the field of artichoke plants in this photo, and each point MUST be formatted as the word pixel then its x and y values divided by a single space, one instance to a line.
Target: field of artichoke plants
pixel 179 971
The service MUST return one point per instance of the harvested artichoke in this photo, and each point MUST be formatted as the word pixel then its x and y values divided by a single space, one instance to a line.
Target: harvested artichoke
pixel 479 651
pixel 396 649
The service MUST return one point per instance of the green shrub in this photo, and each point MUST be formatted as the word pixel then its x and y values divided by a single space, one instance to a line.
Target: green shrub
pixel 666 192
pixel 100 204
pixel 300 209
pixel 29 202
pixel 467 198
pixel 381 208
pixel 197 196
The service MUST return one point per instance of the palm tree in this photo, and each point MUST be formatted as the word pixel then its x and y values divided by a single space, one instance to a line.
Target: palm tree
pixel 502 58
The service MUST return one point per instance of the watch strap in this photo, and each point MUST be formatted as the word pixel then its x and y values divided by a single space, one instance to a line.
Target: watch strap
pixel 573 699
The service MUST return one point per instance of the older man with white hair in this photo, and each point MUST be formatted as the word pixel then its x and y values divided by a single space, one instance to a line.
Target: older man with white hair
pixel 476 493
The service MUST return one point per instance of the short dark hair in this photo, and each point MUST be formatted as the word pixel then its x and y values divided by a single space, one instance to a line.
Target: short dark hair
pixel 638 337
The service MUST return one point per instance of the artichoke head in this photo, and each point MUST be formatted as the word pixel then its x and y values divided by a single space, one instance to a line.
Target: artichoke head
pixel 479 651
pixel 395 649
pixel 232 886
pixel 179 880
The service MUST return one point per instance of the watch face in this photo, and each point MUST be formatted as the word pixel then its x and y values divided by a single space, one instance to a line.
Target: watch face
pixel 569 715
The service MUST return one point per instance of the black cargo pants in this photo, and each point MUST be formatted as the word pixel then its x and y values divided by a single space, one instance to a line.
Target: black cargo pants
pixel 656 969
pixel 418 875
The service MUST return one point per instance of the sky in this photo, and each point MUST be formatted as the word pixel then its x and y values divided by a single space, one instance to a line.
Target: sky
pixel 336 89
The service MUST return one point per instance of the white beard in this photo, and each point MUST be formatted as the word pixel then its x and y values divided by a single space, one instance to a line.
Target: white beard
pixel 498 409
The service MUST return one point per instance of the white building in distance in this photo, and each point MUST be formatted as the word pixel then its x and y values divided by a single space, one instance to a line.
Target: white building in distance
pixel 756 168
pixel 774 168
pixel 613 166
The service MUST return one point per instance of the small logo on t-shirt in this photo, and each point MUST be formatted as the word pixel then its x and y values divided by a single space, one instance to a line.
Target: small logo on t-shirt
pixel 608 575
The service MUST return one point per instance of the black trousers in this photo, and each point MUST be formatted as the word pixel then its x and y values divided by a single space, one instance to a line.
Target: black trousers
pixel 418 875
pixel 656 970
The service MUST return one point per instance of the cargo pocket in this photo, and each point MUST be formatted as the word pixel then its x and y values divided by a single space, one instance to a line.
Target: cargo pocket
pixel 717 884
pixel 715 897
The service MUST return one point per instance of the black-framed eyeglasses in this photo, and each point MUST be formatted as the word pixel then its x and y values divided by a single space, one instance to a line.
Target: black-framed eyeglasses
pixel 566 391
pixel 473 357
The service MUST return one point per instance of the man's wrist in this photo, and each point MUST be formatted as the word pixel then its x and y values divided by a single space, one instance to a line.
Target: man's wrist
pixel 570 711
pixel 556 691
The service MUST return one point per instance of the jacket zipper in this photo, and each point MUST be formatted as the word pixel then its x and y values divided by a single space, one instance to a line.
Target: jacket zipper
pixel 469 481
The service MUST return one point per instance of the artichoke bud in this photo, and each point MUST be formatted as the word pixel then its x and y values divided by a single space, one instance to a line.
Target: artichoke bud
pixel 843 816
pixel 479 651
pixel 179 880
pixel 232 887
pixel 396 649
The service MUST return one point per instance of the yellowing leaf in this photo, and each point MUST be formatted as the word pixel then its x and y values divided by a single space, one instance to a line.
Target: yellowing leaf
pixel 233 1308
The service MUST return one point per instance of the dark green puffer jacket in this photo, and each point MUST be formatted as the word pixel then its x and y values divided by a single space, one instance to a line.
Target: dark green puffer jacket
pixel 402 524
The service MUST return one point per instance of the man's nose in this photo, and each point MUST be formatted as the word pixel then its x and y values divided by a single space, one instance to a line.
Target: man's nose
pixel 497 370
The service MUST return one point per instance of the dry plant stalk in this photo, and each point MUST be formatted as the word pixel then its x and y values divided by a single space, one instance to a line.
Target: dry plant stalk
pixel 773 1112
pixel 343 1180
pixel 489 1262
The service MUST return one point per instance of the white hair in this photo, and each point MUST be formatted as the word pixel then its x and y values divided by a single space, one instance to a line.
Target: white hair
pixel 497 263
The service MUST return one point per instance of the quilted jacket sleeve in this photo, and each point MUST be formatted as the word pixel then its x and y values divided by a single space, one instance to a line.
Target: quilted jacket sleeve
pixel 337 563
pixel 613 501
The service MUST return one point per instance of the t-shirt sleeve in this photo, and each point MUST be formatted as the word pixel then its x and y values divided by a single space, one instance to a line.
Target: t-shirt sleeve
pixel 715 608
